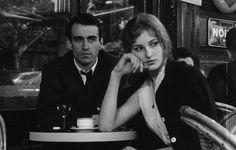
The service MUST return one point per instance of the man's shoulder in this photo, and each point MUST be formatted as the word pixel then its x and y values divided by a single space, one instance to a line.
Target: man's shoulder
pixel 220 66
pixel 108 59
pixel 232 65
pixel 181 71
pixel 60 62
pixel 218 69
pixel 179 67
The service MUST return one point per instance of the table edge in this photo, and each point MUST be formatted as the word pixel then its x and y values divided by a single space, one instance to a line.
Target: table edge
pixel 82 136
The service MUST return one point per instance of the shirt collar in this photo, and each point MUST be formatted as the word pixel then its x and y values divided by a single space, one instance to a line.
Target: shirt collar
pixel 80 69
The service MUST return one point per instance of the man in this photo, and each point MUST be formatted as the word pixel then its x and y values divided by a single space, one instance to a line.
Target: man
pixel 65 80
pixel 185 55
pixel 222 78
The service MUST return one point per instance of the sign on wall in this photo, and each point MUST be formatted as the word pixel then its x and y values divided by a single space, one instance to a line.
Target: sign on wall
pixel 217 30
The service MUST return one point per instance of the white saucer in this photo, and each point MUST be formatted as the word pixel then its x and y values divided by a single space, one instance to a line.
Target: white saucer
pixel 84 128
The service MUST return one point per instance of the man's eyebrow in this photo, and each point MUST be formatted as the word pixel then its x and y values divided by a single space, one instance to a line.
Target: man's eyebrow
pixel 77 37
pixel 92 36
pixel 88 37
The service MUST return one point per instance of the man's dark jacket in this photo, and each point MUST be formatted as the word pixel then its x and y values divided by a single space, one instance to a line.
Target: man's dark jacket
pixel 62 84
pixel 222 80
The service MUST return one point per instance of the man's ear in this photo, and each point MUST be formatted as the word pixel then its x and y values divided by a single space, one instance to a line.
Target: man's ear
pixel 101 40
pixel 229 54
pixel 68 45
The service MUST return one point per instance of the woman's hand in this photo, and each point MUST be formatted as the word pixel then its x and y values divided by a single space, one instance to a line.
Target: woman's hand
pixel 128 63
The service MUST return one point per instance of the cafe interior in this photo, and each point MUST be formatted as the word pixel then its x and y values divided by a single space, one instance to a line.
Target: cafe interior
pixel 33 34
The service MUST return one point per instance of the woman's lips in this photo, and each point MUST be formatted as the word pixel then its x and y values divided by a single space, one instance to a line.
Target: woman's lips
pixel 149 62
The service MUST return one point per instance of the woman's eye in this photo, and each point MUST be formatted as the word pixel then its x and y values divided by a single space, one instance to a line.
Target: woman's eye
pixel 154 44
pixel 137 49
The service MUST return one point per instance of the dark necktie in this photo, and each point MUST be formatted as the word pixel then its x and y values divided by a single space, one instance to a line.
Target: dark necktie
pixel 88 75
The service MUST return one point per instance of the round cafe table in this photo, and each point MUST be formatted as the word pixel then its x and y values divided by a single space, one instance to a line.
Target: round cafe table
pixel 90 136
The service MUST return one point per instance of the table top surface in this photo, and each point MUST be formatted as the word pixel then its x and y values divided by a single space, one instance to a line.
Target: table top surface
pixel 83 136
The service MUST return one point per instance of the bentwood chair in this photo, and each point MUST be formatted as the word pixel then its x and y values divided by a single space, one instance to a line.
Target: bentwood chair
pixel 3 137
pixel 225 108
pixel 229 122
pixel 213 131
pixel 224 111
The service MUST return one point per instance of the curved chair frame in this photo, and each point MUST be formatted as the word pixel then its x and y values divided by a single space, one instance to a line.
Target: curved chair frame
pixel 208 127
pixel 226 108
pixel 229 122
pixel 3 137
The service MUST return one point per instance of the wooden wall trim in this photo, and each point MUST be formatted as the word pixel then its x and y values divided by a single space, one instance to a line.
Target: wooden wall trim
pixel 188 25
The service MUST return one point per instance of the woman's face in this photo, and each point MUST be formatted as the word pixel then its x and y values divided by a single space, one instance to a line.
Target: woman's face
pixel 148 49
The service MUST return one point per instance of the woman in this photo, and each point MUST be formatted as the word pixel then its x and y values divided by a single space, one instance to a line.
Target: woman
pixel 168 85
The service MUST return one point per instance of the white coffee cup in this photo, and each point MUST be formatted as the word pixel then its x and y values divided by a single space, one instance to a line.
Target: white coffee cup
pixel 84 123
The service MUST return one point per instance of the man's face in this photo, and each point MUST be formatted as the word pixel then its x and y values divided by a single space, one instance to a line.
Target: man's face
pixel 85 44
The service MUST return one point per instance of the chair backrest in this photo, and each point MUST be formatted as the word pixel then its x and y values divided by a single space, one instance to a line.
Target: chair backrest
pixel 229 122
pixel 206 143
pixel 3 137
pixel 225 108
pixel 209 128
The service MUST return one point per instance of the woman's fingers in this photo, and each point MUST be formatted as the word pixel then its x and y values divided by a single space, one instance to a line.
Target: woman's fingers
pixel 129 63
pixel 136 63
pixel 141 66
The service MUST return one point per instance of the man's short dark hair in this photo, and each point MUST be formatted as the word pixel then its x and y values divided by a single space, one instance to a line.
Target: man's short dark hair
pixel 183 52
pixel 83 19
pixel 231 39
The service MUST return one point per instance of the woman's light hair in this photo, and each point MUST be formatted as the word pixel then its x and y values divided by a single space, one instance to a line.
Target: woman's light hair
pixel 151 24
